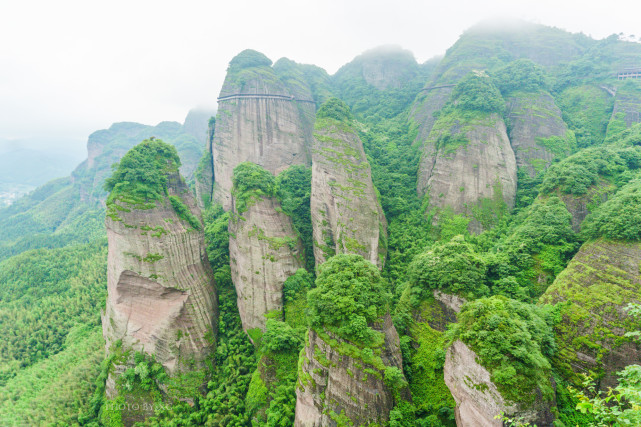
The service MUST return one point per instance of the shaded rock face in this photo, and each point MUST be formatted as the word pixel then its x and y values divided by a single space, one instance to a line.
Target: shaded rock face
pixel 161 296
pixel 346 214
pixel 330 382
pixel 580 206
pixel 264 250
pixel 597 285
pixel 465 176
pixel 533 119
pixel 477 399
pixel 627 108
pixel 273 132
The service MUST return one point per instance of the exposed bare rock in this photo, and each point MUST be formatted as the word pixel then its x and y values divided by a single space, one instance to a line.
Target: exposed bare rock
pixel 468 165
pixel 600 281
pixel 264 250
pixel 260 119
pixel 450 302
pixel 537 133
pixel 478 400
pixel 627 108
pixel 346 214
pixel 331 384
pixel 161 296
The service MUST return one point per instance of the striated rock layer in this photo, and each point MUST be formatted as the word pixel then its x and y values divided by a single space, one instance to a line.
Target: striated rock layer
pixel 161 296
pixel 537 133
pixel 469 166
pixel 477 399
pixel 346 214
pixel 261 119
pixel 598 284
pixel 331 384
pixel 264 250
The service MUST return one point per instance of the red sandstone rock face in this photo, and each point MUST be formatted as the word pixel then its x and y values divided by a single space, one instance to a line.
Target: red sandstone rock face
pixel 531 117
pixel 462 176
pixel 264 250
pixel 346 214
pixel 329 381
pixel 597 285
pixel 274 133
pixel 161 297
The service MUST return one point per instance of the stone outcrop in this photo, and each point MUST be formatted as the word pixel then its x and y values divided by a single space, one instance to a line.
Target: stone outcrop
pixel 264 250
pixel 260 119
pixel 469 166
pixel 627 107
pixel 331 384
pixel 580 206
pixel 478 400
pixel 598 284
pixel 537 133
pixel 346 214
pixel 161 295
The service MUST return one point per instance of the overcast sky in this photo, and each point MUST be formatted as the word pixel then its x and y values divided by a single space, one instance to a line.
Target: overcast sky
pixel 70 67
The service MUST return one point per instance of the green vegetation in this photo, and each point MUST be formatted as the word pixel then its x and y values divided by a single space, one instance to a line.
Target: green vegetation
pixel 578 173
pixel 251 183
pixel 521 75
pixel 184 213
pixel 335 109
pixel 453 267
pixel 349 295
pixel 141 176
pixel 294 190
pixel 249 58
pixel 512 341
pixel 476 92
pixel 619 218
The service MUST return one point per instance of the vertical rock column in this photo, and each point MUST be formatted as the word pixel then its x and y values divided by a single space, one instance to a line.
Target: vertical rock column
pixel 259 120
pixel 161 297
pixel 346 214
pixel 264 250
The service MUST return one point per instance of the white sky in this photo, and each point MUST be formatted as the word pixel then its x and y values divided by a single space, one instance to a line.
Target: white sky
pixel 70 67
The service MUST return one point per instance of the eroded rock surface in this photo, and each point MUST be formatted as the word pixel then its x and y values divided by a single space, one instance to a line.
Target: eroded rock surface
pixel 330 384
pixel 470 167
pixel 598 284
pixel 537 133
pixel 346 214
pixel 260 119
pixel 477 399
pixel 161 296
pixel 264 250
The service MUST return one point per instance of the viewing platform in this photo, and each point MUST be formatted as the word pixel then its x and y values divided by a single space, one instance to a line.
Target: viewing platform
pixel 629 73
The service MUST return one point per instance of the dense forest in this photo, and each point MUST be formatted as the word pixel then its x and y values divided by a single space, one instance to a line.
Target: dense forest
pixel 421 245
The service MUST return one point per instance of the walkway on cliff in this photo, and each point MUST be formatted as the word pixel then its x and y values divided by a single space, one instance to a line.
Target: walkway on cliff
pixel 262 96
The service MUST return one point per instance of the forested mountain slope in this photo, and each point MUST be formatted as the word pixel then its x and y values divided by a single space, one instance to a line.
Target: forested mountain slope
pixel 398 244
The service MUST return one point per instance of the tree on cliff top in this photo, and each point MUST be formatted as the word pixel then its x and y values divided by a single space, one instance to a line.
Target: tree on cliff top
pixel 141 174
pixel 512 342
pixel 249 58
pixel 521 75
pixel 350 294
pixel 335 109
pixel 477 92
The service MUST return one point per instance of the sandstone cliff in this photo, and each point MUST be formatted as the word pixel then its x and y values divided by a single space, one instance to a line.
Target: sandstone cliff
pixel 161 300
pixel 161 296
pixel 261 119
pixel 333 385
pixel 537 131
pixel 627 107
pixel 478 400
pixel 346 214
pixel 469 166
pixel 602 278
pixel 264 250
